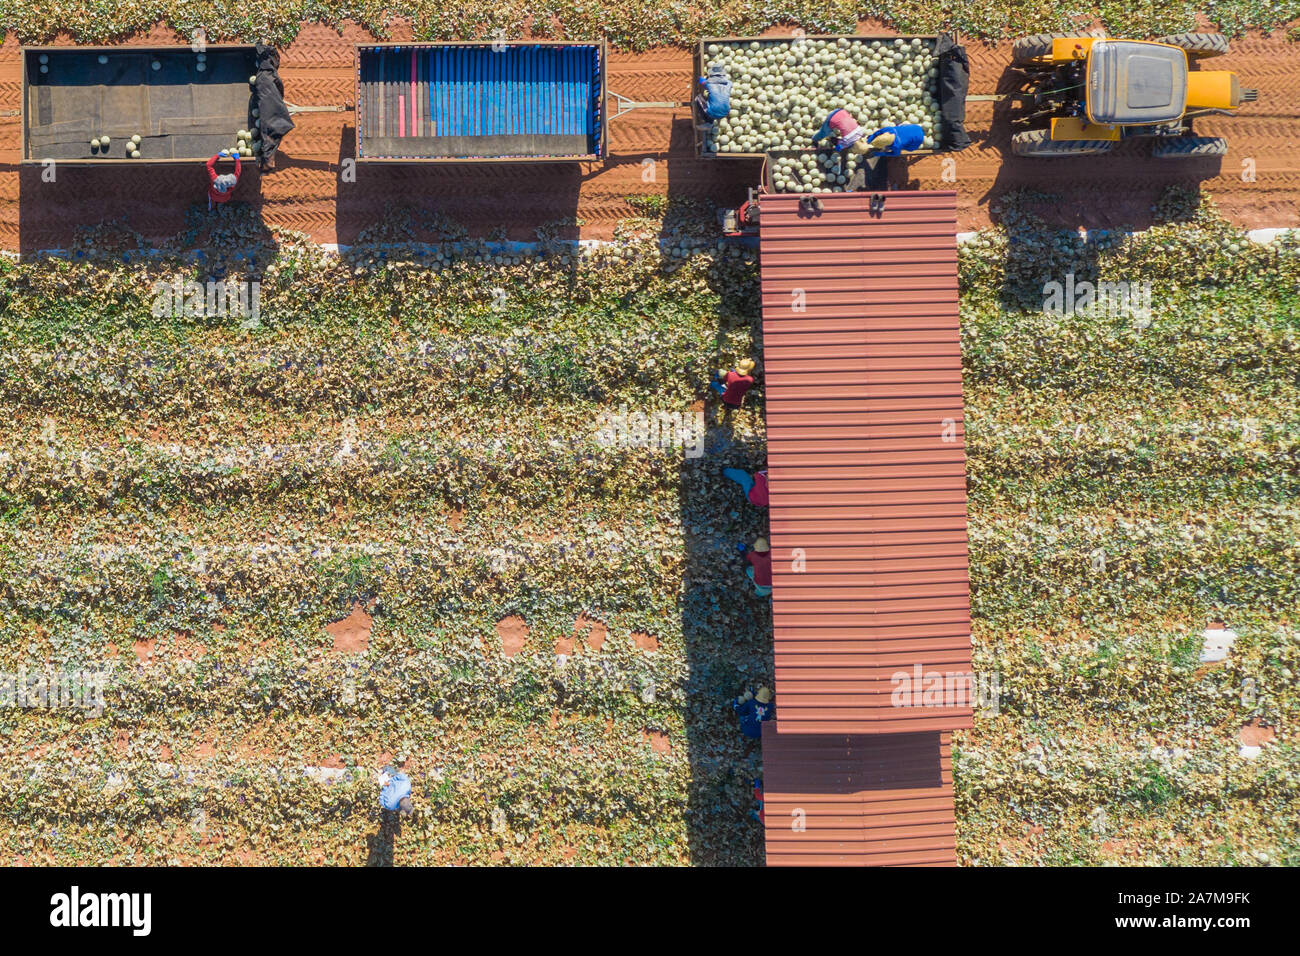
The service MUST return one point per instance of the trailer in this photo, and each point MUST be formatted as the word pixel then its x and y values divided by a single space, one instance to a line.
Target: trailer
pixel 481 101
pixel 703 124
pixel 185 105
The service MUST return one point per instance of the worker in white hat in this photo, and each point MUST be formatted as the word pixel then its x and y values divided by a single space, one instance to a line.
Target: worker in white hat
pixel 753 709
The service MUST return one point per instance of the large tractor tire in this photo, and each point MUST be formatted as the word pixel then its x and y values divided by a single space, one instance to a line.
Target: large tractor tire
pixel 1031 48
pixel 1189 147
pixel 1198 45
pixel 1038 143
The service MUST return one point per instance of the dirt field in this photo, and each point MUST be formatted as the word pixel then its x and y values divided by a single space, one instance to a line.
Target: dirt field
pixel 307 192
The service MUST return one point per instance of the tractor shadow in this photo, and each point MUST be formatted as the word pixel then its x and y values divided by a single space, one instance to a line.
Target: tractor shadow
pixel 1113 191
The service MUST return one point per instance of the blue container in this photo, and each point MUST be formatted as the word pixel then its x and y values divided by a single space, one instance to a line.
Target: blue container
pixel 481 101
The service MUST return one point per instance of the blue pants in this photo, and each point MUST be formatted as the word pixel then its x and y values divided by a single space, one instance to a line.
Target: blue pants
pixel 762 590
pixel 741 478
pixel 826 128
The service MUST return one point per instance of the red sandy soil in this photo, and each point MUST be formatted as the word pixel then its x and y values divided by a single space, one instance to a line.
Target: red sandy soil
pixel 595 631
pixel 307 193
pixel 352 634
pixel 1256 735
pixel 513 633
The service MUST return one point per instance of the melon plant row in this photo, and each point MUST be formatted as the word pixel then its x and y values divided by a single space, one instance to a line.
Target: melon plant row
pixel 782 90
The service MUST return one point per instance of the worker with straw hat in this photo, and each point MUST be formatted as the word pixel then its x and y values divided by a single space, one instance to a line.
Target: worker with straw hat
pixel 760 567
pixel 732 385
pixel 753 710
pixel 894 140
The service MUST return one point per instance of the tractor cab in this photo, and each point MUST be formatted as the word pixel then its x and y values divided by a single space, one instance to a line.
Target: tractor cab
pixel 1082 94
pixel 1129 83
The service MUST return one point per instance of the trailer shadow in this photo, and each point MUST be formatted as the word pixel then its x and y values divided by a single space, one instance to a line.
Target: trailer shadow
pixel 506 199
pixel 151 206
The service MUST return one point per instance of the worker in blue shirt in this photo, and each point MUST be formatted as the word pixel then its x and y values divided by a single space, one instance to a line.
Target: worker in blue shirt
pixel 753 710
pixel 396 793
pixel 893 140
pixel 714 100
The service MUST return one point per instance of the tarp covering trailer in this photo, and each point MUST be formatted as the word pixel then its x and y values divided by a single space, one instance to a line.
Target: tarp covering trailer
pixel 74 95
pixel 483 101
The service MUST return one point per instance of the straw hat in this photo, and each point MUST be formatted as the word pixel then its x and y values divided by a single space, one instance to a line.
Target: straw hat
pixel 745 366
pixel 764 695
pixel 883 141
pixel 761 545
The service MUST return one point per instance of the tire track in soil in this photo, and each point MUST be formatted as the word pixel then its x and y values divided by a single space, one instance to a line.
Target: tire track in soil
pixel 307 194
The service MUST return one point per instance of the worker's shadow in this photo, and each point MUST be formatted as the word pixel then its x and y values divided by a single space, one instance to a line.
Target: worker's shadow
pixel 382 843
pixel 726 627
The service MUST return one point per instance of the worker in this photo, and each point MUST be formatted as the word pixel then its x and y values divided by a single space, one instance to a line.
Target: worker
pixel 757 785
pixel 220 186
pixel 753 710
pixel 714 100
pixel 732 385
pixel 395 795
pixel 760 567
pixel 754 486
pixel 848 134
pixel 893 140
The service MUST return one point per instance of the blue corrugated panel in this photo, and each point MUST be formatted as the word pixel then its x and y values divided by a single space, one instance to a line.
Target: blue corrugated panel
pixel 573 92
pixel 478 91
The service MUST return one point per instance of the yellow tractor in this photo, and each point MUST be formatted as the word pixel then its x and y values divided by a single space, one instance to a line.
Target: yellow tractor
pixel 1081 94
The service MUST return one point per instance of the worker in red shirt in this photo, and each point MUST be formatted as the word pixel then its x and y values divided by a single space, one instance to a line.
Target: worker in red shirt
pixel 733 385
pixel 220 186
pixel 760 567
pixel 754 487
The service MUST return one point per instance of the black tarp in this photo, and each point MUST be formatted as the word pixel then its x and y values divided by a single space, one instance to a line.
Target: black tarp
pixel 272 111
pixel 954 81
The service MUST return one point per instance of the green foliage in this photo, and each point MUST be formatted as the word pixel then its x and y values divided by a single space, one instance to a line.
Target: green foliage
pixel 197 499
pixel 628 25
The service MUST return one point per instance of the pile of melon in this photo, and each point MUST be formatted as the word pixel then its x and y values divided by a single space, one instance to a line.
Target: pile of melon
pixel 782 90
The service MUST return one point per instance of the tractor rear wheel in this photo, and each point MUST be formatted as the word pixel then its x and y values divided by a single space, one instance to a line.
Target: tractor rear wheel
pixel 1038 143
pixel 1189 147
pixel 1036 46
pixel 1198 45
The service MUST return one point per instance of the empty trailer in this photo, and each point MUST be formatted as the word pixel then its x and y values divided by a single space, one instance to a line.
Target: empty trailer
pixel 481 101
pixel 184 105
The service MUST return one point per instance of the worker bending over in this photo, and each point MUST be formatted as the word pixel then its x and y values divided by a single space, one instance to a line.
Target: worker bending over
pixel 732 385
pixel 760 567
pixel 221 185
pixel 754 486
pixel 714 100
pixel 753 710
pixel 851 137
